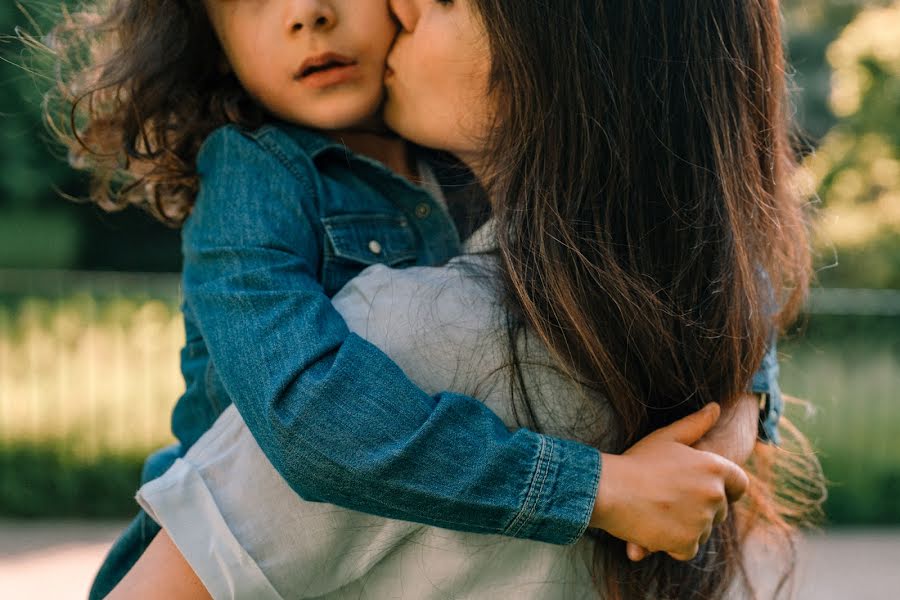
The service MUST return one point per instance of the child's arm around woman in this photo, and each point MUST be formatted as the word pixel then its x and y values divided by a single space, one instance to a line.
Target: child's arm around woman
pixel 335 416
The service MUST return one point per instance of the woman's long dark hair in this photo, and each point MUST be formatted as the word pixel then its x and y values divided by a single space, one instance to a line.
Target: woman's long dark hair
pixel 647 228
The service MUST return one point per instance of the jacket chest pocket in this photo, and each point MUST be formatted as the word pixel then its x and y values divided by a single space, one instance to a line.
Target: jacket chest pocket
pixel 354 242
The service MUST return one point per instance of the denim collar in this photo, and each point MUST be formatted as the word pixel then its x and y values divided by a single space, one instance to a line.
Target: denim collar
pixel 313 143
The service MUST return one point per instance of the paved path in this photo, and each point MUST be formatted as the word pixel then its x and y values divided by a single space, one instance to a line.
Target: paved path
pixel 40 560
pixel 851 565
pixel 57 561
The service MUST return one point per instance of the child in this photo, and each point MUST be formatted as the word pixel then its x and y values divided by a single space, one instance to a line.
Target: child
pixel 295 191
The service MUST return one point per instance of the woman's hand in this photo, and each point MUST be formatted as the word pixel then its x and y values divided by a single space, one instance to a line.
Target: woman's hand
pixel 663 495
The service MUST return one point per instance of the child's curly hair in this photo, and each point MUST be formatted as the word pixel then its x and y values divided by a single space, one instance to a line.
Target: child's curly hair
pixel 138 86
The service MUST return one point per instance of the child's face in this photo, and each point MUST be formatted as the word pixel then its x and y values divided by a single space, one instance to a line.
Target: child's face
pixel 317 63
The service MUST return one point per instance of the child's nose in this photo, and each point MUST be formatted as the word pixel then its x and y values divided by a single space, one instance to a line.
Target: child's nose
pixel 310 14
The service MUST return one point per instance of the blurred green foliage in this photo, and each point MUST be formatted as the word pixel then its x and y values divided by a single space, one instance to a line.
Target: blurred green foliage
pixel 40 480
pixel 856 168
pixel 848 369
pixel 39 227
pixel 33 215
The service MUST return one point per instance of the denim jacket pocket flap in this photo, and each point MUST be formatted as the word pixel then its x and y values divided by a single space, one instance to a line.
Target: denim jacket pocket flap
pixel 371 238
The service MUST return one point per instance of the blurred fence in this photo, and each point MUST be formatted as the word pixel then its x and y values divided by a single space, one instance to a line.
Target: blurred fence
pixel 88 360
pixel 89 373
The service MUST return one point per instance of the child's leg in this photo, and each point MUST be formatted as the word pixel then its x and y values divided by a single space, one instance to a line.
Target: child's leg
pixel 123 555
pixel 137 536
pixel 161 572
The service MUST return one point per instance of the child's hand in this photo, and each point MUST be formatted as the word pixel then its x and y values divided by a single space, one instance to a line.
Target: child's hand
pixel 734 434
pixel 662 494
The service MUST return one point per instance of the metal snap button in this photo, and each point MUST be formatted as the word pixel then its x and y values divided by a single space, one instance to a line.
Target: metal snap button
pixel 374 247
pixel 423 210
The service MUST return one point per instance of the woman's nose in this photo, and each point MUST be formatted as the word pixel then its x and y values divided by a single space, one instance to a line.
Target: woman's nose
pixel 315 15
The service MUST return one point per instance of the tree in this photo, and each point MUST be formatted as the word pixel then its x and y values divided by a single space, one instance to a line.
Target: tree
pixel 856 168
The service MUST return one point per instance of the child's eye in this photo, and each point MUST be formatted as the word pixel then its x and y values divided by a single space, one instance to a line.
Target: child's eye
pixel 444 2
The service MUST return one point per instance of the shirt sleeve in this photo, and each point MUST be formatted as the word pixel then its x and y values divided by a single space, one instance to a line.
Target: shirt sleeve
pixel 333 414
pixel 268 545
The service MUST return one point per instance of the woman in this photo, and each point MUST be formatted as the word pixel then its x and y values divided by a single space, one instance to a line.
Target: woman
pixel 641 214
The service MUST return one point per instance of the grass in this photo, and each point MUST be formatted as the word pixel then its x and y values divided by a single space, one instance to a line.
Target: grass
pixel 41 480
pixel 87 384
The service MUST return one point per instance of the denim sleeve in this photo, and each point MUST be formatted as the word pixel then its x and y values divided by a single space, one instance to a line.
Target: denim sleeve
pixel 333 414
pixel 765 380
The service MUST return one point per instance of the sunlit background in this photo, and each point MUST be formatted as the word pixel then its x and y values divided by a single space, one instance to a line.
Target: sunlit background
pixel 90 331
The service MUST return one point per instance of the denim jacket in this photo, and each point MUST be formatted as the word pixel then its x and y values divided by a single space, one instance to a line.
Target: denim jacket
pixel 283 220
pixel 765 381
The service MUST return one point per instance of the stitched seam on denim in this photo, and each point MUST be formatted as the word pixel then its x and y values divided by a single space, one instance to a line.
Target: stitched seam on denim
pixel 332 224
pixel 290 165
pixel 540 492
pixel 514 525
pixel 596 487
pixel 524 514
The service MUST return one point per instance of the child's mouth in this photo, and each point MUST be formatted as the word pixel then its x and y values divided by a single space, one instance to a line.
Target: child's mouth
pixel 326 69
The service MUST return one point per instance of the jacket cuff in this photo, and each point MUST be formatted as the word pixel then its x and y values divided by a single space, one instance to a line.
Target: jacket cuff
pixel 560 499
pixel 765 381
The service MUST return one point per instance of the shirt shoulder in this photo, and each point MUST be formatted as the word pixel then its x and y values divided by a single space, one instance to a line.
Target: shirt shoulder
pixel 430 320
